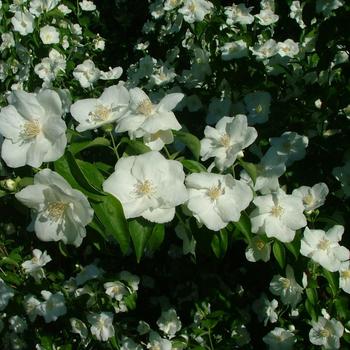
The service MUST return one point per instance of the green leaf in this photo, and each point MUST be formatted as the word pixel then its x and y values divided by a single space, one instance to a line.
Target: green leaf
pixel 110 213
pixel 63 249
pixel 250 168
pixel 193 166
pixel 156 239
pixel 77 147
pixel 140 232
pixel 342 307
pixel 294 248
pixel 190 141
pixel 244 226
pixel 311 294
pixel 219 243
pixel 92 174
pixel 310 309
pixel 280 253
pixel 332 280
pixel 135 147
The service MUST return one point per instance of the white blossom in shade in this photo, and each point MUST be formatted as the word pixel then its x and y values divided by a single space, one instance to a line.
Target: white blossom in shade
pixel 267 17
pixel 327 6
pixel 129 344
pixel 92 113
pixel 86 73
pixel 53 307
pixel 50 66
pixel 49 35
pixel 218 108
pixel 101 325
pixel 215 200
pixel 34 266
pixel 37 7
pixel 144 117
pixel 296 12
pixel 265 50
pixel 227 140
pixel 288 48
pixel 132 280
pixel 278 215
pixel 238 14
pixel 344 276
pixel 6 293
pixel 312 197
pixel 291 145
pixel 258 249
pixel 148 185
pixel 234 49
pixel 169 323
pixel 157 342
pixel 79 327
pixel 33 128
pixel 323 247
pixel 17 324
pixel 265 309
pixel 157 140
pixel 87 5
pixel 195 10
pixel 171 4
pixel 88 273
pixel 23 22
pixel 342 174
pixel 116 290
pixel 326 333
pixel 60 212
pixel 258 106
pixel 31 306
pixel 7 41
pixel 280 339
pixel 287 288
pixel 111 74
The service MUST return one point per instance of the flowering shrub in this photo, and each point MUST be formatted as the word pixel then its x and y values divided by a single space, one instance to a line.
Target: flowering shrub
pixel 174 174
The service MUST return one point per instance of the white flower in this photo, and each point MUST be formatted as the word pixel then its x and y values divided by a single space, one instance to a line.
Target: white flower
pixel 157 140
pixel 258 106
pixel 37 7
pixel 226 141
pixel 156 342
pixel 288 48
pixel 342 174
pixel 79 327
pixel 64 9
pixel 144 117
pixel 18 324
pixel 291 145
pixel 287 288
pixel 296 12
pixel 218 108
pixel 7 41
pixel 238 14
pixel 132 280
pixel 327 6
pixel 278 215
pixel 101 325
pixel 60 212
pixel 34 266
pixel 280 339
pixel 265 309
pixel 195 10
pixel 88 273
pixel 171 4
pixel 86 73
pixel 92 113
pixel 116 290
pixel 267 17
pixel 51 66
pixel 326 333
pixel 129 344
pixel 49 35
pixel 344 276
pixel 33 129
pixel 234 49
pixel 265 50
pixel 258 249
pixel 148 185
pixel 23 22
pixel 312 197
pixel 323 247
pixel 215 200
pixel 31 306
pixel 111 74
pixel 6 293
pixel 53 306
pixel 87 5
pixel 169 323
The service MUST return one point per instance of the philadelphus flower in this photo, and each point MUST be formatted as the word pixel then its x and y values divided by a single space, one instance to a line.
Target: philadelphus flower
pixel 215 200
pixel 344 276
pixel 116 290
pixel 169 323
pixel 226 141
pixel 323 247
pixel 148 185
pixel 144 117
pixel 49 35
pixel 60 212
pixel 287 288
pixel 87 5
pixel 312 197
pixel 157 342
pixel 195 10
pixel 280 339
pixel 23 22
pixel 34 266
pixel 342 174
pixel 267 17
pixel 37 7
pixel 258 106
pixel 88 273
pixel 238 14
pixel 326 333
pixel 79 327
pixel 92 113
pixel 6 293
pixel 258 249
pixel 33 129
pixel 18 324
pixel 265 309
pixel 235 49
pixel 86 73
pixel 53 306
pixel 101 325
pixel 278 215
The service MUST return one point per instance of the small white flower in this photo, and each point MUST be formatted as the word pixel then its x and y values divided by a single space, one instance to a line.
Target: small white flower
pixel 287 288
pixel 323 247
pixel 280 339
pixel 88 273
pixel 129 344
pixel 92 113
pixel 111 74
pixel 238 14
pixel 156 342
pixel 37 7
pixel 101 325
pixel 61 212
pixel 49 35
pixel 265 309
pixel 296 10
pixel 34 266
pixel 195 10
pixel 258 249
pixel 116 290
pixel 53 306
pixel 7 41
pixel 234 49
pixel 261 51
pixel 288 48
pixel 18 324
pixel 64 9
pixel 218 108
pixel 148 185
pixel 31 306
pixel 344 276
pixel 169 323
pixel 227 140
pixel 79 327
pixel 342 174
pixel 23 22
pixel 86 73
pixel 267 17
pixel 6 293
pixel 87 5
pixel 326 333
pixel 312 197
pixel 258 106
pixel 215 200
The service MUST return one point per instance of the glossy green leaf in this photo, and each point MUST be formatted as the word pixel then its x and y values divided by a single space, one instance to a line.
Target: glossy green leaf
pixel 279 253
pixel 250 168
pixel 193 166
pixel 156 239
pixel 219 243
pixel 77 147
pixel 190 141
pixel 244 226
pixel 140 232
pixel 311 294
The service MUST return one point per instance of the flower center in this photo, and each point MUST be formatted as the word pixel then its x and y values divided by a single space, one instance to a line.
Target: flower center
pixel 277 211
pixel 308 199
pixel 260 244
pixel 101 113
pixel 145 107
pixel 325 333
pixel 31 129
pixel 215 192
pixel 56 210
pixel 285 282
pixel 287 146
pixel 345 274
pixel 225 141
pixel 192 7
pixel 144 188
pixel 324 244
pixel 258 108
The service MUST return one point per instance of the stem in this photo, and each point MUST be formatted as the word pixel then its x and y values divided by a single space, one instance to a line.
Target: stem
pixel 167 152
pixel 113 143
pixel 210 340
